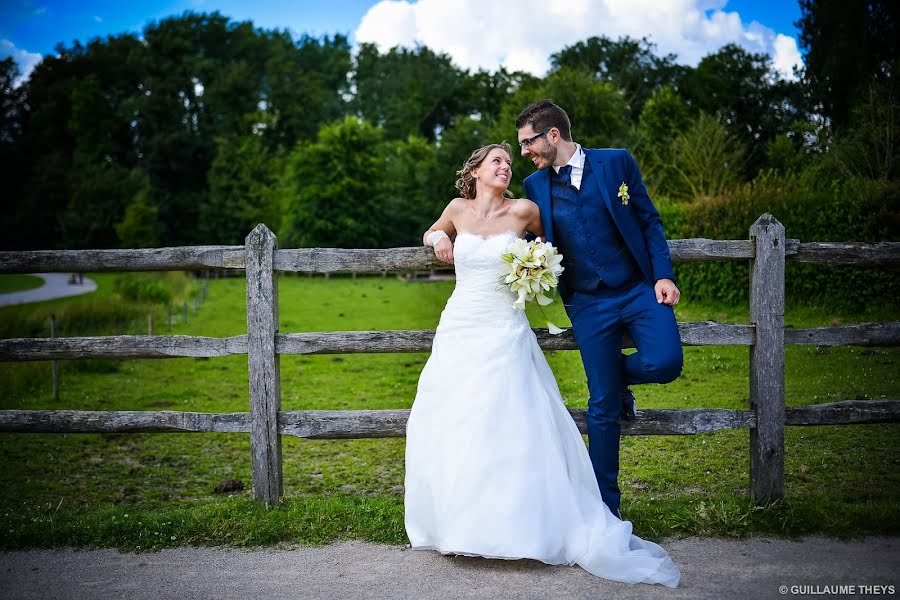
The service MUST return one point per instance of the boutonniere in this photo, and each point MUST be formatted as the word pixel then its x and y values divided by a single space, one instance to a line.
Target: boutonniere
pixel 623 193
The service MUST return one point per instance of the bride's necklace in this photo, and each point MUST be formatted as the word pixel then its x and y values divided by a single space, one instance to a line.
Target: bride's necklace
pixel 489 216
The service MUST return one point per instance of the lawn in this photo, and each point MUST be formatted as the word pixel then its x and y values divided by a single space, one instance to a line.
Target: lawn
pixel 19 283
pixel 144 491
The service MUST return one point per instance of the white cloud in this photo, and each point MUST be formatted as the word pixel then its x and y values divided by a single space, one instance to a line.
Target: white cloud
pixel 389 23
pixel 521 34
pixel 26 60
pixel 787 56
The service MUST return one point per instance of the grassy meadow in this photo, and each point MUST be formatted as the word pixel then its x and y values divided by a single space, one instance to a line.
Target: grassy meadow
pixel 147 491
pixel 19 283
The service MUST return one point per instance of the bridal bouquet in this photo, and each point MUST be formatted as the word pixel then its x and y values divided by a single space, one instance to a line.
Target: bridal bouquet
pixel 530 269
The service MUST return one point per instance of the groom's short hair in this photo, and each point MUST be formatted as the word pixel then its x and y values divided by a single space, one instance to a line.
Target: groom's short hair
pixel 542 115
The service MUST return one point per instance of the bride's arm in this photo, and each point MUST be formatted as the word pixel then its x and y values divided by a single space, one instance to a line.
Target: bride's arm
pixel 443 245
pixel 444 222
pixel 530 214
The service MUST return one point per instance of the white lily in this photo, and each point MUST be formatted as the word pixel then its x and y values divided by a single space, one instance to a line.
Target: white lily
pixel 530 270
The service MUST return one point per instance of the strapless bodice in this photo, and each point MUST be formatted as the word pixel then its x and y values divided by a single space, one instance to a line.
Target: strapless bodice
pixel 479 294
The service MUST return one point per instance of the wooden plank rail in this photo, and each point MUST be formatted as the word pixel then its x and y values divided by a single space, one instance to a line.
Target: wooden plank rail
pixel 411 340
pixel 120 346
pixel 767 249
pixel 860 334
pixel 122 421
pixel 376 260
pixel 361 424
pixel 848 412
pixel 181 258
pixel 883 254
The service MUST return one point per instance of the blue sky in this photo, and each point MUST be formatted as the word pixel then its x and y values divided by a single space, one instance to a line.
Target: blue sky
pixel 485 35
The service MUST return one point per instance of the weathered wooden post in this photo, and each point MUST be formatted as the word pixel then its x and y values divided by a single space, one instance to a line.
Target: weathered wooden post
pixel 265 380
pixel 150 323
pixel 767 360
pixel 53 332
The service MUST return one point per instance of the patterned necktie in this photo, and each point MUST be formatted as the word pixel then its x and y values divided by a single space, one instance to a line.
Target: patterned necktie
pixel 565 173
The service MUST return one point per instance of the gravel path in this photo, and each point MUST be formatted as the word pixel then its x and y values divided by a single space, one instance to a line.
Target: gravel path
pixel 56 285
pixel 711 568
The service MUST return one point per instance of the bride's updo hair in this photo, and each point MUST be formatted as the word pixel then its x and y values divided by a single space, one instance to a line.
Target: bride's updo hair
pixel 466 182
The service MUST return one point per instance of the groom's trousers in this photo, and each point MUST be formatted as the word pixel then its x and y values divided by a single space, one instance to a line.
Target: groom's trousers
pixel 600 319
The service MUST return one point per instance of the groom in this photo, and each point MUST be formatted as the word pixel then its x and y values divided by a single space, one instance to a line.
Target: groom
pixel 618 274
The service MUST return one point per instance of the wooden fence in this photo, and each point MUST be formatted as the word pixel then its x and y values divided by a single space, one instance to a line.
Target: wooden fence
pixel 766 249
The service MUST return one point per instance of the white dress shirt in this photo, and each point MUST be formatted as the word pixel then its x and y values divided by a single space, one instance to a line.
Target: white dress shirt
pixel 577 163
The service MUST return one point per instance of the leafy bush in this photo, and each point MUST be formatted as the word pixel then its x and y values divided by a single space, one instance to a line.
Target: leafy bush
pixel 143 288
pixel 852 210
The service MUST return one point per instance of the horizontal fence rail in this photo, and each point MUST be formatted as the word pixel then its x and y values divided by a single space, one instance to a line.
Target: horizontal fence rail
pixel 376 260
pixel 766 336
pixel 403 340
pixel 352 424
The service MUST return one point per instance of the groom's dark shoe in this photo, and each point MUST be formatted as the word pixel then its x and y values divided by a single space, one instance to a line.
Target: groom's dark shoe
pixel 629 408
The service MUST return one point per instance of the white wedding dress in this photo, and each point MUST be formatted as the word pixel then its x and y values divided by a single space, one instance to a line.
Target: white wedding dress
pixel 495 465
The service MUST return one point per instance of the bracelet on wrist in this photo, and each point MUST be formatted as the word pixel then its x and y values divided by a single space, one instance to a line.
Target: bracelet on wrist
pixel 435 236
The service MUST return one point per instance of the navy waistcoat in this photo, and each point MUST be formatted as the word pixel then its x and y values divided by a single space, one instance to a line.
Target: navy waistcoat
pixel 594 254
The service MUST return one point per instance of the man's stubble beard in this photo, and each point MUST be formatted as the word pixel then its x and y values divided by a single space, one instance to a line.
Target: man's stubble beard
pixel 548 153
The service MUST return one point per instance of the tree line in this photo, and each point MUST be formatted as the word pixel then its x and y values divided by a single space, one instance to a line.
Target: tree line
pixel 203 127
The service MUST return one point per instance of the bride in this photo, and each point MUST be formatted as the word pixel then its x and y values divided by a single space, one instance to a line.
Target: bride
pixel 495 465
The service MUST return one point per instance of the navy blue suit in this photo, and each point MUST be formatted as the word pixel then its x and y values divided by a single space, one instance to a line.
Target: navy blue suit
pixel 613 252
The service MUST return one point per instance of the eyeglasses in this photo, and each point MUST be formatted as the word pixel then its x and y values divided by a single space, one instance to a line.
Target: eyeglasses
pixel 528 141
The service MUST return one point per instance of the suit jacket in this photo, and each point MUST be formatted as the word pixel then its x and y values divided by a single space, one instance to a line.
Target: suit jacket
pixel 638 221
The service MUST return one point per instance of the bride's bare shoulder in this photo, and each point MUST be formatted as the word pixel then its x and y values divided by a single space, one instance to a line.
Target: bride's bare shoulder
pixel 524 206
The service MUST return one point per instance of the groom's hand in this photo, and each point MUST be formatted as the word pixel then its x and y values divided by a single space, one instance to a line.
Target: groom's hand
pixel 666 292
pixel 443 250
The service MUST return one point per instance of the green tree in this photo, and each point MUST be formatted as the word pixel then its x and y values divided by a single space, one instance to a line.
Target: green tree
pixel 11 161
pixel 100 193
pixel 408 92
pixel 849 45
pixel 707 159
pixel 631 65
pixel 330 188
pixel 179 122
pixel 869 146
pixel 406 195
pixel 663 119
pixel 745 92
pixel 140 227
pixel 101 185
pixel 304 86
pixel 10 102
pixel 242 183
pixel 485 92
pixel 43 184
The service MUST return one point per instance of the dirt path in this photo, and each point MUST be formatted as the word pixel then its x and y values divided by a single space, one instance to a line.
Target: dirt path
pixel 711 568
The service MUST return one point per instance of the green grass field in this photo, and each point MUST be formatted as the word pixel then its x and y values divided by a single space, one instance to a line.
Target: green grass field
pixel 19 283
pixel 147 491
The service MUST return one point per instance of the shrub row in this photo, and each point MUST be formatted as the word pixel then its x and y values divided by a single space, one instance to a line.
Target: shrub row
pixel 811 211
